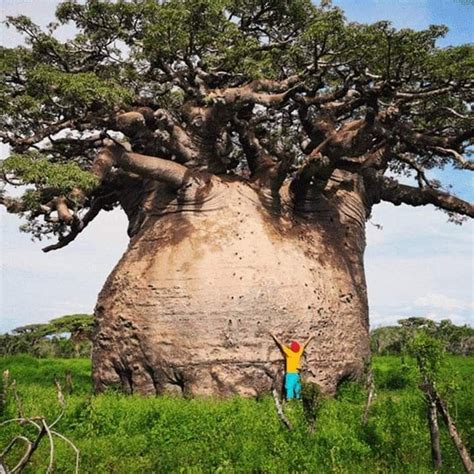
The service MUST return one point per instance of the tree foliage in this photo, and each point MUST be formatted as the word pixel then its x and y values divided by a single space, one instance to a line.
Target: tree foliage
pixel 66 336
pixel 280 93
pixel 455 339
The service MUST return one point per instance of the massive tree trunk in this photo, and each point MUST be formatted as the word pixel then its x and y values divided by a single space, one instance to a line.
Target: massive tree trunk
pixel 208 274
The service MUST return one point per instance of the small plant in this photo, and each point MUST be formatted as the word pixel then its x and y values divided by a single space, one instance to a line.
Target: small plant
pixel 312 399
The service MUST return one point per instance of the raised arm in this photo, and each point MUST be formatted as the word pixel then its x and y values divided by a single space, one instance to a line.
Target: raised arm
pixel 277 341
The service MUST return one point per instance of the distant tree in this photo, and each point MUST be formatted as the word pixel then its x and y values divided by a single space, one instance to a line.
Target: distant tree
pixel 458 339
pixel 66 336
pixel 394 339
pixel 79 326
pixel 386 340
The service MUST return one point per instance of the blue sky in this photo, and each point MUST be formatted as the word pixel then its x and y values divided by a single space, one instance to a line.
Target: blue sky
pixel 416 14
pixel 417 265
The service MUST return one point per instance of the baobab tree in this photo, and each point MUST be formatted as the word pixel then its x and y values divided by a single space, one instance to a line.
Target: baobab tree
pixel 247 142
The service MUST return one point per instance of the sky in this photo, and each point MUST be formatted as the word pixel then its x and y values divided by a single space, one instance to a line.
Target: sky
pixel 417 264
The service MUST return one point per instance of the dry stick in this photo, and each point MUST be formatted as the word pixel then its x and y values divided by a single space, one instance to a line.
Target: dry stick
pixel 29 446
pixel 51 447
pixel 68 385
pixel 43 430
pixel 61 401
pixel 73 446
pixel 370 397
pixel 12 443
pixel 462 450
pixel 17 400
pixel 279 409
pixel 433 422
pixel 25 459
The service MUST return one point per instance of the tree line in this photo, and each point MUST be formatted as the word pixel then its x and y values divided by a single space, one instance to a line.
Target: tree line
pixel 391 340
pixel 67 336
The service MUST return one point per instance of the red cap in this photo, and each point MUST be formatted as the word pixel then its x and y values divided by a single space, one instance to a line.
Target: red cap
pixel 295 346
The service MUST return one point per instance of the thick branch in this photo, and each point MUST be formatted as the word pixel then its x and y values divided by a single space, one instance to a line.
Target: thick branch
pixel 316 129
pixel 408 135
pixel 263 92
pixel 317 167
pixel 96 206
pixel 256 155
pixel 457 157
pixel 114 154
pixel 176 139
pixel 396 193
pixel 146 166
pixel 64 213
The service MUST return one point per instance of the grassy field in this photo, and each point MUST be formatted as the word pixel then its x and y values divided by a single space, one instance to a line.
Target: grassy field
pixel 131 434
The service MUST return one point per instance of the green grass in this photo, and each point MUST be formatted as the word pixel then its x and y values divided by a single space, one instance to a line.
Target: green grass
pixel 132 434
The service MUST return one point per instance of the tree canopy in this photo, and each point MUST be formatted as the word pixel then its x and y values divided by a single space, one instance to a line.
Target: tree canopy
pixel 396 339
pixel 61 336
pixel 277 92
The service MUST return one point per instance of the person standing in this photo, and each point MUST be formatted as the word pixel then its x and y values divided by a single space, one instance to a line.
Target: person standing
pixel 292 355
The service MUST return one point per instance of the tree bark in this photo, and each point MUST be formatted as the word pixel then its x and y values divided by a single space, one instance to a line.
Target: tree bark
pixel 434 435
pixel 433 424
pixel 209 272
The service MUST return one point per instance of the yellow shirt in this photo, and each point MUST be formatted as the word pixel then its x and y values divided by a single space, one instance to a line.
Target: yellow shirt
pixel 292 360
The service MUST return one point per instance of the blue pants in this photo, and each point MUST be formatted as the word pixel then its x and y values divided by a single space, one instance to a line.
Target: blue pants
pixel 292 386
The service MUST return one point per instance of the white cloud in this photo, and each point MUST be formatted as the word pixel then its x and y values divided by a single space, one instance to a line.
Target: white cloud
pixel 419 265
pixel 440 301
pixel 391 319
pixel 36 287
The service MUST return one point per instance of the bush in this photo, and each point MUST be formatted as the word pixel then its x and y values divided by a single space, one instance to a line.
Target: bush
pixel 312 400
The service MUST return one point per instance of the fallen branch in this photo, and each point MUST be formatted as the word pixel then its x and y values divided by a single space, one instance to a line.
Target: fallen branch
pixel 461 448
pixel 44 429
pixel 30 448
pixel 25 457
